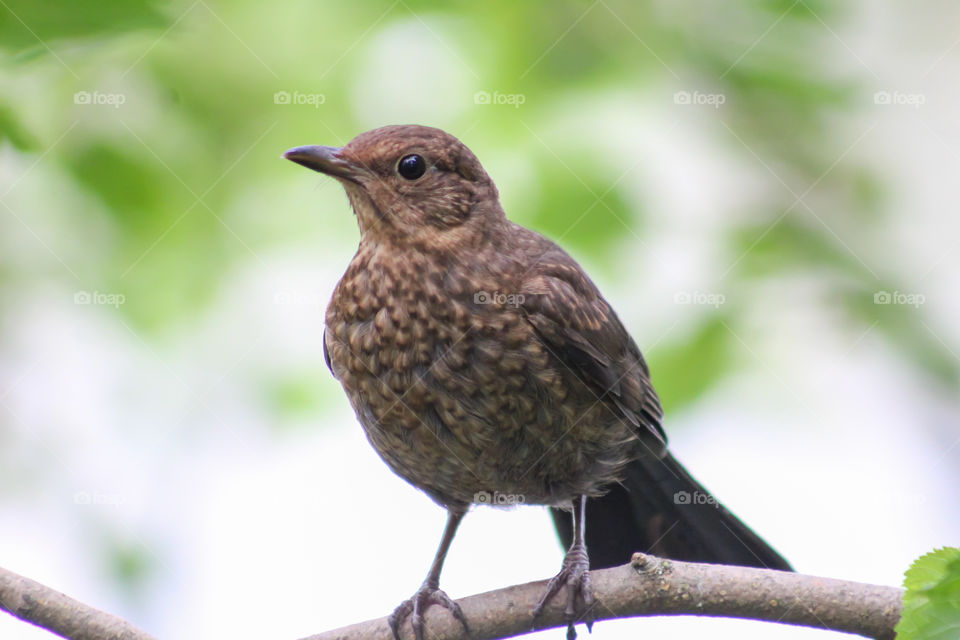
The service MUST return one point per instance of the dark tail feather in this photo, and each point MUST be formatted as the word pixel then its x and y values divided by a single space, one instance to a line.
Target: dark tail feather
pixel 660 509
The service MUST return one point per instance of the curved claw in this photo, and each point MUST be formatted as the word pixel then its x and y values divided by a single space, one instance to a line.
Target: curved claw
pixel 415 607
pixel 575 575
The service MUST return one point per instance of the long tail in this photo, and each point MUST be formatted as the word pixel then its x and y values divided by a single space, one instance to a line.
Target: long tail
pixel 660 509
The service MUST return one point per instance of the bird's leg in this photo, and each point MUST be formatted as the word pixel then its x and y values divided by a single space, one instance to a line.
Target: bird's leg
pixel 429 592
pixel 575 573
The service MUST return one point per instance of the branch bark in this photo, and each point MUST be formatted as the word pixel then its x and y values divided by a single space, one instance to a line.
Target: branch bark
pixel 648 586
pixel 48 608
pixel 651 586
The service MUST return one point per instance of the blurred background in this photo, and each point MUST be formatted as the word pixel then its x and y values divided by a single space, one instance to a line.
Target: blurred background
pixel 766 192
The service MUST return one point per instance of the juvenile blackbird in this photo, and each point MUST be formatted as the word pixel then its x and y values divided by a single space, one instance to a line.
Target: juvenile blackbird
pixel 485 367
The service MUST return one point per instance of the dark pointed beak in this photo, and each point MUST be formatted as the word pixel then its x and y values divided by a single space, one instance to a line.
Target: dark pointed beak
pixel 325 160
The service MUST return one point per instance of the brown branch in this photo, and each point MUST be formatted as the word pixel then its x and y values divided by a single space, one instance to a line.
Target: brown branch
pixel 650 586
pixel 61 614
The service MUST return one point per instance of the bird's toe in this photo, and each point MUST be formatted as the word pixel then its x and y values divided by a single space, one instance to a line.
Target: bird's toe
pixel 416 607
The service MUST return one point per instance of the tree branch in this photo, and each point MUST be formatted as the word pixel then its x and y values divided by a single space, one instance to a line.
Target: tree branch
pixel 648 586
pixel 651 586
pixel 61 614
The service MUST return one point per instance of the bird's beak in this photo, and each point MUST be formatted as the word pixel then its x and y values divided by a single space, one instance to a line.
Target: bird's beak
pixel 326 160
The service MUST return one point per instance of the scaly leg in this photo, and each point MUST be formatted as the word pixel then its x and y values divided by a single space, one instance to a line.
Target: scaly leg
pixel 429 592
pixel 575 573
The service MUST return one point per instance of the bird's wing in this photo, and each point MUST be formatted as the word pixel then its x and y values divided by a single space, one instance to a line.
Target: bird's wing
pixel 326 354
pixel 580 329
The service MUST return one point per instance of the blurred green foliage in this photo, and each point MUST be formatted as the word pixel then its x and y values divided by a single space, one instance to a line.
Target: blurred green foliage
pixel 687 368
pixel 28 28
pixel 296 396
pixel 174 186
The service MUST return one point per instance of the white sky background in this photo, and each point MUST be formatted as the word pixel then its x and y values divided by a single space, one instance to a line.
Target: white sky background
pixel 828 447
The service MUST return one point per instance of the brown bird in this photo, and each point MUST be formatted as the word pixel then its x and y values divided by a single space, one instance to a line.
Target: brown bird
pixel 485 367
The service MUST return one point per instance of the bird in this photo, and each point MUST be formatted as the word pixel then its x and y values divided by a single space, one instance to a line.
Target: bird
pixel 486 367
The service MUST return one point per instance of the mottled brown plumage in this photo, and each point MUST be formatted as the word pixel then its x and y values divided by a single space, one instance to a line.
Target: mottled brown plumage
pixel 480 359
pixel 462 388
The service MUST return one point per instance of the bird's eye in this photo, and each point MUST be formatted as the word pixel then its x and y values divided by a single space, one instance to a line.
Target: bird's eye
pixel 412 167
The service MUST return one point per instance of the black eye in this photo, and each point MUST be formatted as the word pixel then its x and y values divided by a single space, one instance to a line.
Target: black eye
pixel 412 167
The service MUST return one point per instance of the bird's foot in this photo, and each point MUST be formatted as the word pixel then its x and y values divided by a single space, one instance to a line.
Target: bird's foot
pixel 415 607
pixel 575 575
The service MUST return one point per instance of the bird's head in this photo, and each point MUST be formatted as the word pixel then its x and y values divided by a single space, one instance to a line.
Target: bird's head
pixel 412 185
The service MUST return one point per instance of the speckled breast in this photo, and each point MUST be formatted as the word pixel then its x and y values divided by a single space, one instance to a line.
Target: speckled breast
pixel 455 391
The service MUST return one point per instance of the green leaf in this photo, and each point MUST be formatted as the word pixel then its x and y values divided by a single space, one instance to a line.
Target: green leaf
pixel 128 182
pixel 580 210
pixel 27 25
pixel 931 605
pixel 794 245
pixel 686 369
pixel 906 330
pixel 10 129
pixel 792 242
pixel 301 395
